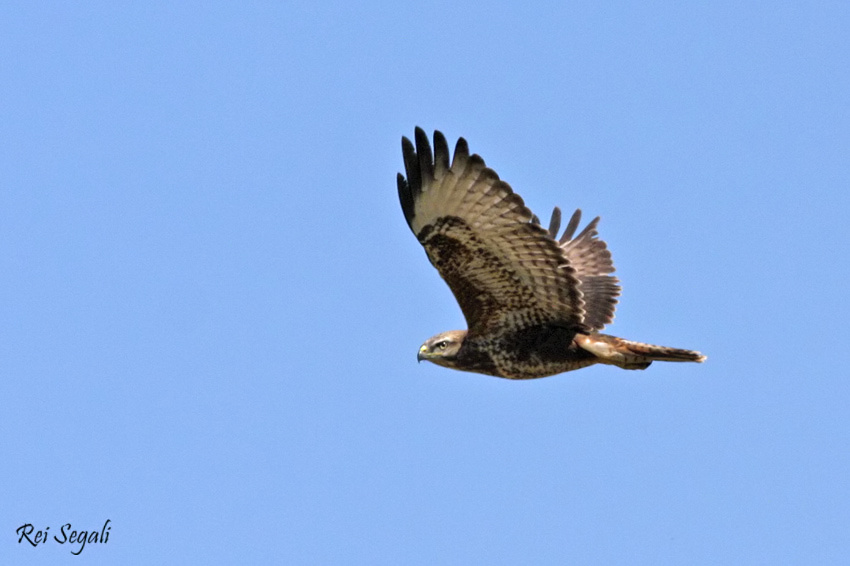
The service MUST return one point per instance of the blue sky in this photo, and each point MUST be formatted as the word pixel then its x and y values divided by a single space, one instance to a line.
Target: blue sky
pixel 212 304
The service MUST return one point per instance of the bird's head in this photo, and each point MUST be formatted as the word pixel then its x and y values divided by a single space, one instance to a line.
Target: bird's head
pixel 442 349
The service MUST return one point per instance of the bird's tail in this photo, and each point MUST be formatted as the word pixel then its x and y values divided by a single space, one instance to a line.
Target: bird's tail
pixel 632 355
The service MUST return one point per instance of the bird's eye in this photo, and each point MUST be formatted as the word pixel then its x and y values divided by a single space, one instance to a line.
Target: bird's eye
pixel 442 345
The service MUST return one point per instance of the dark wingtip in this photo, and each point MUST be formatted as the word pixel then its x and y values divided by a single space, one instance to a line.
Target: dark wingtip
pixel 411 165
pixel 426 157
pixel 419 167
pixel 461 152
pixel 405 196
pixel 441 152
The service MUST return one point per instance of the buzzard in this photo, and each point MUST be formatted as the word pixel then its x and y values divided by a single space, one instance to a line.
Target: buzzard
pixel 534 303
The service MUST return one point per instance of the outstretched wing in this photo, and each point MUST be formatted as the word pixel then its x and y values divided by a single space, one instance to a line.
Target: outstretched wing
pixel 591 260
pixel 504 270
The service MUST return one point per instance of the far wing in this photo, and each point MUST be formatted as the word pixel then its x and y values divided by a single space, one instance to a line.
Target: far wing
pixel 590 258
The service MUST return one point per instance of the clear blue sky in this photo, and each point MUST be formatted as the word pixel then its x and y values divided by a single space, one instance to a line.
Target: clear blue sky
pixel 211 303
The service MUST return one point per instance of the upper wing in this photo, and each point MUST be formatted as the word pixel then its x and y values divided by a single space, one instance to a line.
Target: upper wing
pixel 591 259
pixel 503 269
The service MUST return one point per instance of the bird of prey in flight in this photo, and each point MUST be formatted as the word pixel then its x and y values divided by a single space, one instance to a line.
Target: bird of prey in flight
pixel 534 302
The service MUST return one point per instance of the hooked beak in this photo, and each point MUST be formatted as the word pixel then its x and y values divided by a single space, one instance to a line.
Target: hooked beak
pixel 421 355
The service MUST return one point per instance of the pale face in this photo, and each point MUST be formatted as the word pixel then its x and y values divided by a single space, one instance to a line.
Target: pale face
pixel 442 349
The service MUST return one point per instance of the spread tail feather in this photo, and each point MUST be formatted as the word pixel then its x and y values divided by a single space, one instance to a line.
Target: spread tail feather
pixel 632 355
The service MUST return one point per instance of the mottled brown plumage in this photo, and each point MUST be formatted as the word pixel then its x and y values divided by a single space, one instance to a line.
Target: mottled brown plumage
pixel 533 302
